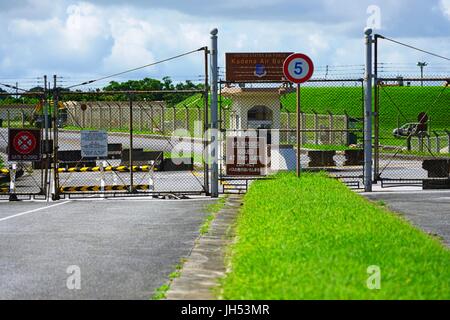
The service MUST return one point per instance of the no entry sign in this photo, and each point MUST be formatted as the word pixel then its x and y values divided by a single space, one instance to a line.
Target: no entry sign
pixel 24 145
pixel 298 68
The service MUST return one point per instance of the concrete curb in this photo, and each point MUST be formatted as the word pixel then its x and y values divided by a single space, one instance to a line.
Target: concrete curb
pixel 206 263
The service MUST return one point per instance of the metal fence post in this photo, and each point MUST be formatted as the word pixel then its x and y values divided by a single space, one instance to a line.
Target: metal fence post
pixel 316 128
pixel 214 122
pixel 56 192
pixel 368 113
pixel 331 125
pixel 187 118
pixel 150 127
pixel 376 108
pixel 205 128
pixel 130 155
pixel 438 142
pixel 163 129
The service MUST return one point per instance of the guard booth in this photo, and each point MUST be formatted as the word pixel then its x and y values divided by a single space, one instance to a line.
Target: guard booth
pixel 256 112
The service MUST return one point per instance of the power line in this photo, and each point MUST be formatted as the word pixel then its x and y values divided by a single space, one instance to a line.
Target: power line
pixel 412 47
pixel 12 87
pixel 135 69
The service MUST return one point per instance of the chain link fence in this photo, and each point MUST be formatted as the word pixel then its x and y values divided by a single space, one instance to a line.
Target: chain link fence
pixel 155 144
pixel 412 125
pixel 331 128
pixel 20 178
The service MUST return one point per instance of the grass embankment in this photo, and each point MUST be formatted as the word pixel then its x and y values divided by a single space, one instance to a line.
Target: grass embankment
pixel 314 239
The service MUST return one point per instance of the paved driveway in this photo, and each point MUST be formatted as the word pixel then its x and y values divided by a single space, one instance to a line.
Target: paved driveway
pixel 428 210
pixel 124 249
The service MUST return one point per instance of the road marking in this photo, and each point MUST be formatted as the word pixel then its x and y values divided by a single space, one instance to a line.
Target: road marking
pixel 34 210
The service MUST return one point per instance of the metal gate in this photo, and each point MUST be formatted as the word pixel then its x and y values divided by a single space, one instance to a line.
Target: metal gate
pixel 331 128
pixel 412 131
pixel 21 178
pixel 154 140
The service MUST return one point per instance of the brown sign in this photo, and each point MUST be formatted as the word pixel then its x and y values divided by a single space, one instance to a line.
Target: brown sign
pixel 254 66
pixel 246 156
pixel 24 145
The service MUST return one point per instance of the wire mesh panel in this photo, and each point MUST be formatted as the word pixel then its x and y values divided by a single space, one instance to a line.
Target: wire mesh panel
pixel 331 125
pixel 412 127
pixel 21 146
pixel 154 143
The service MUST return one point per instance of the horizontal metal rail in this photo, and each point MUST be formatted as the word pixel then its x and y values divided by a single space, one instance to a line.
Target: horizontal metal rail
pixel 132 92
pixel 107 169
pixel 104 188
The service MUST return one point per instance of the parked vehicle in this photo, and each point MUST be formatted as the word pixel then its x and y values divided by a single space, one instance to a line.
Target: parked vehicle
pixel 409 130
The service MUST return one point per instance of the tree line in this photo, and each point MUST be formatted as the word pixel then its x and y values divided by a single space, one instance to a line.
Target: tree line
pixel 106 93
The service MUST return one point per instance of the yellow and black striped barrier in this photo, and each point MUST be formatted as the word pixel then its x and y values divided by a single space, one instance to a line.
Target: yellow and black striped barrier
pixel 107 169
pixel 105 188
pixel 4 189
pixel 4 171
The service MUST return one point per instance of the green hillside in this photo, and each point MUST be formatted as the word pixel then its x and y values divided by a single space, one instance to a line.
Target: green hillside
pixel 397 104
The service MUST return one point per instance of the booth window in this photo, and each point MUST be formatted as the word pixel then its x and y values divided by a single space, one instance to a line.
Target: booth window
pixel 258 113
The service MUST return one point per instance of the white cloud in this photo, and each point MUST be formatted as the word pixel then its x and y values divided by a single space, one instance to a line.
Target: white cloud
pixel 96 38
pixel 445 6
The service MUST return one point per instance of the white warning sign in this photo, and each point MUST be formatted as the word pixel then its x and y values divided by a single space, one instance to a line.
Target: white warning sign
pixel 94 144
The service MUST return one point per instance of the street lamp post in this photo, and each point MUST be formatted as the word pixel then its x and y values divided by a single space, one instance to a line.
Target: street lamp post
pixel 421 65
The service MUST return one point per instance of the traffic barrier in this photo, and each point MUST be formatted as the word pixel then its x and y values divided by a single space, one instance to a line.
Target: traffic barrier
pixel 106 169
pixel 105 188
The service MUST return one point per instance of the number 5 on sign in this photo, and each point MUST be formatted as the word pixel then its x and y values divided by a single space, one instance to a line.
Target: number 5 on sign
pixel 298 68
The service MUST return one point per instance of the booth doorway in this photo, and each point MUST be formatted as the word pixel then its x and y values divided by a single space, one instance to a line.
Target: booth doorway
pixel 260 117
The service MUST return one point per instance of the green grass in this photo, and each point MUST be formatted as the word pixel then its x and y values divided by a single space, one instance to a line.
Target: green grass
pixel 398 105
pixel 213 209
pixel 161 292
pixel 314 238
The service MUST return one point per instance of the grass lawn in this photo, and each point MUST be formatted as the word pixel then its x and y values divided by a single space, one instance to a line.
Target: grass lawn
pixel 314 239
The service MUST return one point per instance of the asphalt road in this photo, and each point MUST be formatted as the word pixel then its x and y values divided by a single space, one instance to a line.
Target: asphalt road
pixel 428 210
pixel 124 248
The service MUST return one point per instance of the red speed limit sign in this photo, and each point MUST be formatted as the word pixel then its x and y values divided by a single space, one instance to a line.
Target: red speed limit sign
pixel 298 68
pixel 24 145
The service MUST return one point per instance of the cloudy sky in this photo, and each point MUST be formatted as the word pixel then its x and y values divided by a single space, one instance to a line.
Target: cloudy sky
pixel 81 40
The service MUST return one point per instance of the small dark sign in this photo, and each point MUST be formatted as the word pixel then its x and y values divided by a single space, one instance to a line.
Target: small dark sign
pixel 24 145
pixel 246 156
pixel 253 66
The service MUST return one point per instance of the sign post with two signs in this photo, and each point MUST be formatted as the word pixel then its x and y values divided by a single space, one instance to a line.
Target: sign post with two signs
pixel 298 68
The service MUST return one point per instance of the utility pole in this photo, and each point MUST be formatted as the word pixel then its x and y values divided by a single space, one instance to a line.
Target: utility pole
pixel 421 65
pixel 214 117
pixel 368 112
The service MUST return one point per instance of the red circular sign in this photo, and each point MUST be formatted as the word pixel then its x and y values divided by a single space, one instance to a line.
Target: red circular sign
pixel 24 142
pixel 298 68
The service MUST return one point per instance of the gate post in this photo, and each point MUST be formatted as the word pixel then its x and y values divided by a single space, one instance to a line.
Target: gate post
pixel 205 128
pixel 130 155
pixel 56 192
pixel 214 120
pixel 376 112
pixel 368 113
